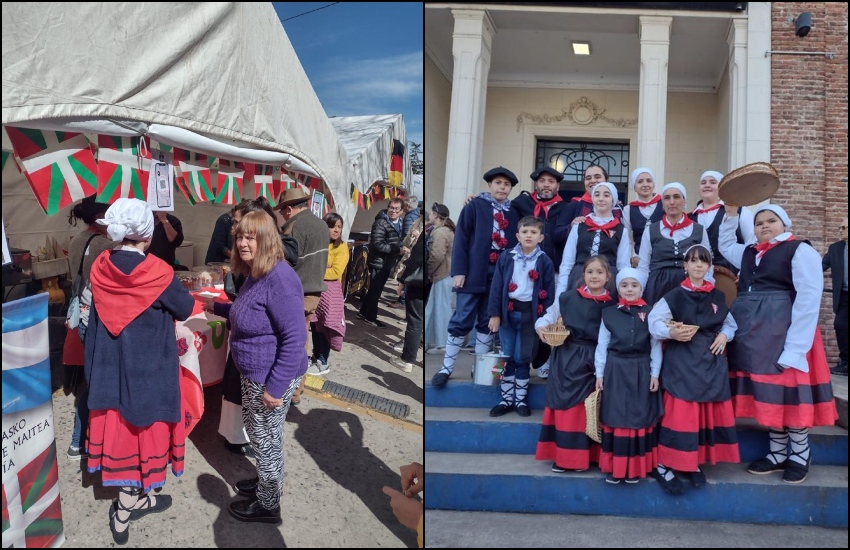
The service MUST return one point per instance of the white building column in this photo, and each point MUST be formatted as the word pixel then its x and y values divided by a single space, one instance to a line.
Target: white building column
pixel 737 41
pixel 757 112
pixel 652 105
pixel 471 46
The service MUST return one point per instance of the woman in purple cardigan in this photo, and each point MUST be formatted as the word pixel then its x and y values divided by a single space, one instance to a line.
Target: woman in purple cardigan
pixel 267 337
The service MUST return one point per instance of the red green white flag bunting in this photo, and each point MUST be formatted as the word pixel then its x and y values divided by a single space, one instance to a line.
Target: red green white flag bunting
pixel 59 166
pixel 196 180
pixel 121 171
pixel 229 183
pixel 267 183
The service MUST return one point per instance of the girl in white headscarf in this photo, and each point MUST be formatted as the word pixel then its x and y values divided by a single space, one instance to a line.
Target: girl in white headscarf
pixel 645 209
pixel 136 424
pixel 778 365
pixel 628 363
pixel 710 212
pixel 663 245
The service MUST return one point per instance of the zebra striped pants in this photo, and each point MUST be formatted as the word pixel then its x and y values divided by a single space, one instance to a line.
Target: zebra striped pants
pixel 265 431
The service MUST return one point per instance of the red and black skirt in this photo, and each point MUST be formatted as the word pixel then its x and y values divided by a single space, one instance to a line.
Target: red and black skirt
pixel 628 453
pixel 694 433
pixel 564 441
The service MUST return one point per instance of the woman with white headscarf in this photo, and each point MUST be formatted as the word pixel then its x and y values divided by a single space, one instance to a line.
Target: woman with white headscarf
pixel 709 213
pixel 663 244
pixel 780 376
pixel 136 424
pixel 600 234
pixel 646 209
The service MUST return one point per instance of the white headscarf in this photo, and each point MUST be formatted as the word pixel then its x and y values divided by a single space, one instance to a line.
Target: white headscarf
pixel 675 185
pixel 716 175
pixel 631 273
pixel 129 219
pixel 776 209
pixel 610 187
pixel 638 171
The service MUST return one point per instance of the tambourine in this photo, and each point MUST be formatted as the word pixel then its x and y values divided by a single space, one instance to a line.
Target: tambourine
pixel 750 184
pixel 726 281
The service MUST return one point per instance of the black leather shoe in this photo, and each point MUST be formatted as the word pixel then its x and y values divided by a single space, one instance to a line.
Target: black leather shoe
pixel 244 449
pixel 698 479
pixel 523 410
pixel 252 510
pixel 439 380
pixel 247 487
pixel 673 487
pixel 500 410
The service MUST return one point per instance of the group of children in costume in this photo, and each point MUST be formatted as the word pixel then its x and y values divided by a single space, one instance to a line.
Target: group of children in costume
pixel 675 364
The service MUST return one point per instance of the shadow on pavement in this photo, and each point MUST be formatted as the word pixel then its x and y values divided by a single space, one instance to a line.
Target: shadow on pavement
pixel 348 463
pixel 395 382
pixel 230 533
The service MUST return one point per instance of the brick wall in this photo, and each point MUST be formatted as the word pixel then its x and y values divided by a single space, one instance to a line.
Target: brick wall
pixel 809 129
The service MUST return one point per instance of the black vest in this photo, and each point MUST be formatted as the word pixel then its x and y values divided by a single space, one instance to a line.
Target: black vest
pixel 708 310
pixel 629 329
pixel 713 231
pixel 607 245
pixel 524 206
pixel 772 273
pixel 665 252
pixel 639 222
pixel 582 315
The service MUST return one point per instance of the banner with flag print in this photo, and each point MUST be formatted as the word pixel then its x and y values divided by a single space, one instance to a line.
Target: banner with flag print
pixel 121 171
pixel 196 180
pixel 397 164
pixel 59 166
pixel 267 183
pixel 229 186
pixel 32 514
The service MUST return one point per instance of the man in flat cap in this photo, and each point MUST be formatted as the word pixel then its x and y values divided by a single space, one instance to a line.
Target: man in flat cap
pixel 311 234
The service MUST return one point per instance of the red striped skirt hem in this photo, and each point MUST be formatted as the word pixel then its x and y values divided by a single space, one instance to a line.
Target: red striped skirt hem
pixel 129 456
pixel 628 453
pixel 697 433
pixel 563 440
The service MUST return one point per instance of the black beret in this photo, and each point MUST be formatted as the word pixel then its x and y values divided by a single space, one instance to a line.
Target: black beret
pixel 500 171
pixel 546 170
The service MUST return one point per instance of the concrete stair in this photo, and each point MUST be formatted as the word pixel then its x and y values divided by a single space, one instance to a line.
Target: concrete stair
pixel 478 463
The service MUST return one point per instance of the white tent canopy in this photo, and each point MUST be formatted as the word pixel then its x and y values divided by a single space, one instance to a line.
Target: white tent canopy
pixel 368 140
pixel 220 78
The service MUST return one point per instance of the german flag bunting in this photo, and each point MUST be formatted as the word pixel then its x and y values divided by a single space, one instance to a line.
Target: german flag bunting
pixel 397 164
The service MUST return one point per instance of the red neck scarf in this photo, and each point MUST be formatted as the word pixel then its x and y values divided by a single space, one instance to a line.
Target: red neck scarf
pixel 641 204
pixel 706 285
pixel 608 227
pixel 543 206
pixel 584 198
pixel 686 221
pixel 585 293
pixel 762 248
pixel 120 298
pixel 627 304
pixel 699 211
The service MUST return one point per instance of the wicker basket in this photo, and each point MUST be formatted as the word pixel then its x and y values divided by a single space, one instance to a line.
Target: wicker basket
pixel 556 334
pixel 592 427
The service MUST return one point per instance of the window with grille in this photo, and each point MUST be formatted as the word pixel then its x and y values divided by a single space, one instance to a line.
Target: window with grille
pixel 573 157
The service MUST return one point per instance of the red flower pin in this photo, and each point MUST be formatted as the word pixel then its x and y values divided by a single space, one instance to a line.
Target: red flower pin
pixel 495 236
pixel 533 275
pixel 540 310
pixel 511 286
pixel 503 243
pixel 510 306
pixel 493 257
pixel 542 294
pixel 503 223
pixel 498 216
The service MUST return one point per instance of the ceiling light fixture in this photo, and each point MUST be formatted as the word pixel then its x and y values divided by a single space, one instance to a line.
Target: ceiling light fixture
pixel 581 48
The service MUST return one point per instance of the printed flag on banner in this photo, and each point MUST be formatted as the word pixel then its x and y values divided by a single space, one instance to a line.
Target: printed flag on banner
pixel 229 186
pixel 121 171
pixel 59 166
pixel 397 164
pixel 196 181
pixel 267 183
pixel 32 514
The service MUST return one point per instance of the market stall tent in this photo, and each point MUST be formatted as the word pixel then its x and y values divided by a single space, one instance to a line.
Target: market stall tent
pixel 216 78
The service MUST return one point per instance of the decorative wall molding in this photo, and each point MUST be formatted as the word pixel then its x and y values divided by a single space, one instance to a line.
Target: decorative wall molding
pixel 582 112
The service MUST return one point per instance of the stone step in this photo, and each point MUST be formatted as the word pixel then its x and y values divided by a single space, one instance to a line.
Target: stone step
pixel 519 483
pixel 472 430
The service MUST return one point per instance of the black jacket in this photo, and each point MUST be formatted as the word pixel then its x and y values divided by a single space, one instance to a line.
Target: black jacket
pixel 384 242
pixel 416 260
pixel 834 260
